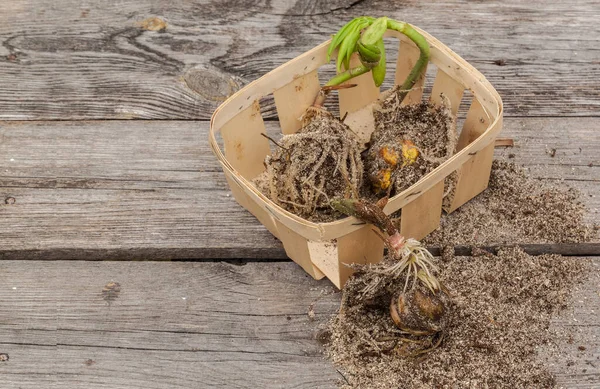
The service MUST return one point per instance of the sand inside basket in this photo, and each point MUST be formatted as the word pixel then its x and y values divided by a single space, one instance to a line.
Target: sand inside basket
pixel 429 127
pixel 501 304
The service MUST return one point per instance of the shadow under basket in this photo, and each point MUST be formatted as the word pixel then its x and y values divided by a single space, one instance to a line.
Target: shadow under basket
pixel 326 249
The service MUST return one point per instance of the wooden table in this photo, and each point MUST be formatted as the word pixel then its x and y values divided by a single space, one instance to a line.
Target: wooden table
pixel 126 263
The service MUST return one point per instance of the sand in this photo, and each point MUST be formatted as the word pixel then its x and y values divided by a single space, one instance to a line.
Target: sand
pixel 500 305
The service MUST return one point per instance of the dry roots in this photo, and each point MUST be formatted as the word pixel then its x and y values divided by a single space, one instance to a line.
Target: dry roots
pixel 429 127
pixel 310 168
pixel 407 326
pixel 412 262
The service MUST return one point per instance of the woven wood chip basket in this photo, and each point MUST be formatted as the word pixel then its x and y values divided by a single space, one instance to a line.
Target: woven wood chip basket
pixel 325 249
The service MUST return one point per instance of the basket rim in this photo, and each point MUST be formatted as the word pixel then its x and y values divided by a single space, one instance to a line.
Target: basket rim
pixel 399 200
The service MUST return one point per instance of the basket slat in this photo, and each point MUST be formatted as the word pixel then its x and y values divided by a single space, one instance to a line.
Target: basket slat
pixel 422 215
pixel 473 177
pixel 292 100
pixel 245 148
pixel 452 89
pixel 474 174
pixel 408 54
pixel 298 249
pixel 362 246
pixel 245 201
pixel 364 93
pixel 476 123
pixel 324 255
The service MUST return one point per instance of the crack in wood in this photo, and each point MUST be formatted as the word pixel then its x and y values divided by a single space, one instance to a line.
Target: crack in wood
pixel 191 350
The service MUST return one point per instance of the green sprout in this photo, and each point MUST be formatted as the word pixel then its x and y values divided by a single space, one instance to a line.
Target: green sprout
pixel 364 35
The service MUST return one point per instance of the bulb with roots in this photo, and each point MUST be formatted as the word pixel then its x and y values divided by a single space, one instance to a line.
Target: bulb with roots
pixel 418 311
pixel 419 303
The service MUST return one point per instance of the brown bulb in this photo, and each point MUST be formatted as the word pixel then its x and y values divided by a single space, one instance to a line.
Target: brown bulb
pixel 429 305
pixel 418 312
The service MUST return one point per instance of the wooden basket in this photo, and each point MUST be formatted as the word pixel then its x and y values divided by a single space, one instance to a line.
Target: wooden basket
pixel 325 249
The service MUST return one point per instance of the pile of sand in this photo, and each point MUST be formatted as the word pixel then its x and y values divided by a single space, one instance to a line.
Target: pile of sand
pixel 501 304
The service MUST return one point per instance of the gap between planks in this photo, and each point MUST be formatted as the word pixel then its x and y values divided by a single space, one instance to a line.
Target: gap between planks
pixel 273 255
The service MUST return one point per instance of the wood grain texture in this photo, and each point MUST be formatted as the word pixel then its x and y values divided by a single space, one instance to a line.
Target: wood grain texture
pixel 422 215
pixel 150 59
pixel 201 325
pixel 153 189
pixel 170 325
pixel 133 190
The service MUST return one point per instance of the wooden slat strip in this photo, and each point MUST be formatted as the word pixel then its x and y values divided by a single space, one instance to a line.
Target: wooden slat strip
pixel 474 174
pixel 301 250
pixel 362 246
pixel 364 93
pixel 245 148
pixel 408 54
pixel 422 215
pixel 444 84
pixel 293 99
pixel 476 123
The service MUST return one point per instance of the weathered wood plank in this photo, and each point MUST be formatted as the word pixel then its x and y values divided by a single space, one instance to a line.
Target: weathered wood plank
pixel 200 325
pixel 176 325
pixel 176 60
pixel 153 189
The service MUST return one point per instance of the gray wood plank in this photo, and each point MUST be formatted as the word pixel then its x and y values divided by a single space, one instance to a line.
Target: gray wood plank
pixel 197 325
pixel 150 59
pixel 181 325
pixel 153 189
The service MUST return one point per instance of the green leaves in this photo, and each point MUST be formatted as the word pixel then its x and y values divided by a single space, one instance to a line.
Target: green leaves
pixel 364 35
pixel 346 39
pixel 378 71
pixel 375 32
pixel 372 50
pixel 369 46
pixel 369 54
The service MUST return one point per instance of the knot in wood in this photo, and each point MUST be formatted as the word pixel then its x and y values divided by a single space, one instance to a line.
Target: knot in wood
pixel 210 84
